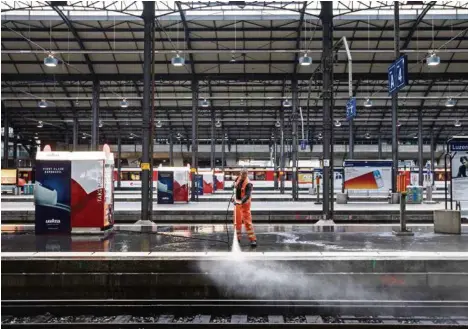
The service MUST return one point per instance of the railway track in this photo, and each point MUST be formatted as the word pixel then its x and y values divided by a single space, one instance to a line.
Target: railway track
pixel 232 314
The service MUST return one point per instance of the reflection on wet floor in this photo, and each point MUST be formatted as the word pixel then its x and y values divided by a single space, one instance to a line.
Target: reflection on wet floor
pixel 177 238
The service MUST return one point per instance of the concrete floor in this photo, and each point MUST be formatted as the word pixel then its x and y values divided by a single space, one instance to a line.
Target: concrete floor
pixel 271 238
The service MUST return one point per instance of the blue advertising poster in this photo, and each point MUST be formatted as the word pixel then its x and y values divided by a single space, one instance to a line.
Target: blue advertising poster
pixel 199 184
pixel 52 195
pixel 165 187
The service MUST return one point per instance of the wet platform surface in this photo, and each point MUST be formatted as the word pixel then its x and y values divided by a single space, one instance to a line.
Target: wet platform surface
pixel 280 206
pixel 271 238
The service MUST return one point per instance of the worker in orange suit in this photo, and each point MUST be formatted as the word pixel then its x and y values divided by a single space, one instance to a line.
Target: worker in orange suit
pixel 242 201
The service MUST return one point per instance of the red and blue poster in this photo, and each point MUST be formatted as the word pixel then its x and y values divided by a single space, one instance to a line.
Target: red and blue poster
pixel 52 196
pixel 88 194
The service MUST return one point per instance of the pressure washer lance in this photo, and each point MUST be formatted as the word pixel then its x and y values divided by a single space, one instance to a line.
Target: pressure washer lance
pixel 226 219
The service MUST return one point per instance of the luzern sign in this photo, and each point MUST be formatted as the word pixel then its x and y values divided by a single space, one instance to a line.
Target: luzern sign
pixel 398 75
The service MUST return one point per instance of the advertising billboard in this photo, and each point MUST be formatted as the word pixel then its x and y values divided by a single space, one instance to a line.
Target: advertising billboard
pixel 52 196
pixel 458 147
pixel 8 176
pixel 165 187
pixel 368 175
pixel 88 197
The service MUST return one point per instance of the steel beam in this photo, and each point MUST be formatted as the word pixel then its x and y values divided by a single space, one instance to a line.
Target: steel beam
pixel 396 24
pixel 76 37
pixel 187 35
pixel 30 77
pixel 326 15
pixel 148 18
pixel 95 116
pixel 194 136
pixel 415 25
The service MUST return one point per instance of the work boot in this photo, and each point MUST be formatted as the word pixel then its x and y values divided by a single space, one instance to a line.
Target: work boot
pixel 253 244
pixel 238 241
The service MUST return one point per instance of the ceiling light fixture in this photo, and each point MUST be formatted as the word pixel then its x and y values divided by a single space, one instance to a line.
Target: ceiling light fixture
pixel 233 58
pixel 287 103
pixel 277 124
pixel 101 123
pixel 398 124
pixel 43 104
pixel 36 137
pixel 450 102
pixel 457 123
pixel 337 123
pixel 159 124
pixel 131 136
pixel 367 136
pixel 218 124
pixel 83 137
pixel 50 61
pixel 319 136
pixel 433 59
pixel 305 60
pixel 178 136
pixel 40 124
pixel 368 103
pixel 124 103
pixel 204 103
pixel 178 61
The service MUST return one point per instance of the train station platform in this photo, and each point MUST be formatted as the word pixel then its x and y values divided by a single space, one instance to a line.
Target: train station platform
pixel 263 212
pixel 291 262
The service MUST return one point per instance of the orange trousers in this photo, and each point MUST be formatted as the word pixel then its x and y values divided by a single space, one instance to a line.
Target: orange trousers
pixel 242 215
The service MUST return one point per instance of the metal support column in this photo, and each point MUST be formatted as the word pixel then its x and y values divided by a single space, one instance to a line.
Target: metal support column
pixel 223 145
pixel 396 29
pixel 148 18
pixel 379 148
pixel 420 149
pixel 351 139
pixel 295 107
pixel 326 16
pixel 433 149
pixel 75 133
pixel 15 152
pixel 275 161
pixel 282 160
pixel 119 160
pixel 95 116
pixel 6 135
pixel 171 148
pixel 213 143
pixel 194 136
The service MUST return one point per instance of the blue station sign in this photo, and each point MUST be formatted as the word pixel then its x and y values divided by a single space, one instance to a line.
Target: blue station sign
pixel 398 75
pixel 351 108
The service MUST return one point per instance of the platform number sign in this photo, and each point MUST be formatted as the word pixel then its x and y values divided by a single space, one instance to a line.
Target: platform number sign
pixel 303 144
pixel 398 75
pixel 351 108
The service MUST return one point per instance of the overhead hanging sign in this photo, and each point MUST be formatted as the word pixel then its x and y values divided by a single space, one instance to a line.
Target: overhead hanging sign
pixel 351 108
pixel 458 147
pixel 303 144
pixel 398 75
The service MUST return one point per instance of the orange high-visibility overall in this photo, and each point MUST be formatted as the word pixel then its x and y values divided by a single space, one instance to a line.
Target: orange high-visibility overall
pixel 242 212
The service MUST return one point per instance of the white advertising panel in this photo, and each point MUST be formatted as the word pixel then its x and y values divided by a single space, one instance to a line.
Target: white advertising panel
pixel 368 175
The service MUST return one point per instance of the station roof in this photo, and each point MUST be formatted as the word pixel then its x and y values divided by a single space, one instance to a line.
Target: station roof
pixel 244 55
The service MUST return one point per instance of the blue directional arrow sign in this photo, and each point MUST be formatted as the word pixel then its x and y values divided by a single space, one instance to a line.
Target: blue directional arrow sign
pixel 351 108
pixel 398 75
